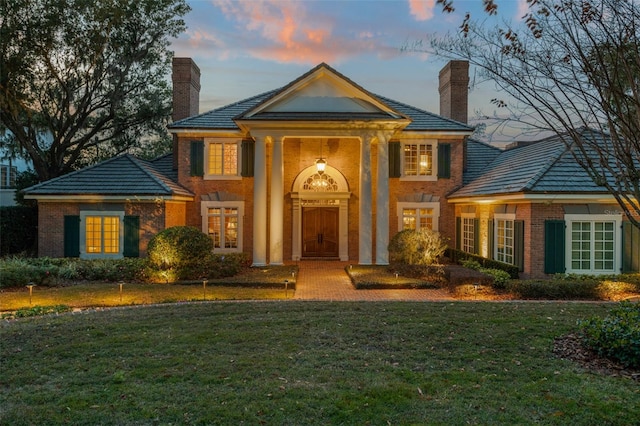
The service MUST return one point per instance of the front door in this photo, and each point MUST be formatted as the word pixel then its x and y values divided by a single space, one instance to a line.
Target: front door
pixel 320 231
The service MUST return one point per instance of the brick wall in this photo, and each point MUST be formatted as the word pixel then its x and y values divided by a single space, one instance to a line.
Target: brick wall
pixel 51 227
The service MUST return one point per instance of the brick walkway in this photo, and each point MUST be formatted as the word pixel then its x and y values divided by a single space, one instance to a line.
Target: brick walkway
pixel 327 280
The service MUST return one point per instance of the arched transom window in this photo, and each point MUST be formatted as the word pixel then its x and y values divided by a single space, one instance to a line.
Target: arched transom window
pixel 320 183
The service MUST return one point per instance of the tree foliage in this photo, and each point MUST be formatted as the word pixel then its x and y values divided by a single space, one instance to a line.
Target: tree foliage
pixel 571 65
pixel 82 80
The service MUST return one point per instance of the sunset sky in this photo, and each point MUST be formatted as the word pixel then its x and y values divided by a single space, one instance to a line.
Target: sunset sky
pixel 246 47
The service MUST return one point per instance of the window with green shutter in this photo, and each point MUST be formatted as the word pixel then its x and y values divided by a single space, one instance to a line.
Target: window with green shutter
pixel 197 158
pixel 554 246
pixel 518 244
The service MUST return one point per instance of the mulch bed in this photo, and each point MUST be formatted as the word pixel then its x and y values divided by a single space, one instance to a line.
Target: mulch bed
pixel 571 347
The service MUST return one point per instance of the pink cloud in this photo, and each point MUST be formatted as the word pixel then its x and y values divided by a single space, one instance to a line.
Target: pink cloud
pixel 422 10
pixel 287 32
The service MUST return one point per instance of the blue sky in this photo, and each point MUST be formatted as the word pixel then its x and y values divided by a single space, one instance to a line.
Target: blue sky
pixel 246 47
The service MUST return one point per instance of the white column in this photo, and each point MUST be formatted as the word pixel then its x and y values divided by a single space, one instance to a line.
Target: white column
pixel 365 212
pixel 260 203
pixel 276 231
pixel 382 202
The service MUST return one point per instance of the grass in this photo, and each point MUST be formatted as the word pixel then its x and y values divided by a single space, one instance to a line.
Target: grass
pixel 287 363
pixel 251 284
pixel 98 294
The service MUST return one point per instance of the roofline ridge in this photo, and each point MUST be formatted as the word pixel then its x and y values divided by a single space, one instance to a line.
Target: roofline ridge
pixel 423 111
pixel 140 163
pixel 224 107
pixel 549 162
pixel 75 172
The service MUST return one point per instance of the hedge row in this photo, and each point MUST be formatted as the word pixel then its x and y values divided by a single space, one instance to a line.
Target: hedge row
pixel 458 256
pixel 19 272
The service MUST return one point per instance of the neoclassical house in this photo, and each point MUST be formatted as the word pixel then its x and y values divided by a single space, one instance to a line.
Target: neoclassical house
pixel 323 168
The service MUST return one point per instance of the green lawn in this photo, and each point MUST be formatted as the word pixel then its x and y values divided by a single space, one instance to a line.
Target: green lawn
pixel 98 294
pixel 306 363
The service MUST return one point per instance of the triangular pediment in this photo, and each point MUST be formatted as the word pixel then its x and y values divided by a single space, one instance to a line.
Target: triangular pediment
pixel 324 91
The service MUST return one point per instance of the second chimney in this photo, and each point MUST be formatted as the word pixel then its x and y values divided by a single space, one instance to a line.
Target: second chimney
pixel 186 88
pixel 454 90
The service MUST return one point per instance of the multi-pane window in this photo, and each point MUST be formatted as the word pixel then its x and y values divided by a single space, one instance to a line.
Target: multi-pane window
pixel 417 218
pixel 418 215
pixel 8 176
pixel 222 158
pixel 418 159
pixel 102 234
pixel 223 227
pixel 468 234
pixel 593 246
pixel 222 221
pixel 504 240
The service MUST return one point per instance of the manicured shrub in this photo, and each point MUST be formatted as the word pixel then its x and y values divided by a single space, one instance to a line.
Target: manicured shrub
pixel 459 256
pixel 416 247
pixel 555 289
pixel 18 272
pixel 617 336
pixel 500 277
pixel 178 247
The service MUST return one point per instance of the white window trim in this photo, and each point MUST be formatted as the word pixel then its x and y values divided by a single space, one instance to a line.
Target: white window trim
pixel 83 235
pixel 430 205
pixel 207 143
pixel 206 205
pixel 502 216
pixel 464 216
pixel 617 242
pixel 434 160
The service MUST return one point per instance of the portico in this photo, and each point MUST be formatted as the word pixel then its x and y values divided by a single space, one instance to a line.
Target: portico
pixel 281 199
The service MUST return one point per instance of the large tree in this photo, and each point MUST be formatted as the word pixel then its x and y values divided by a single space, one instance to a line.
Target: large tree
pixel 81 80
pixel 569 65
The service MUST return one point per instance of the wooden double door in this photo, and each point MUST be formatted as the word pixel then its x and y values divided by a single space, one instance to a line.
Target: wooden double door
pixel 320 231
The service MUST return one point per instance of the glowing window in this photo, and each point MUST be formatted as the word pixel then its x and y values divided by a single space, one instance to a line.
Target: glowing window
pixel 222 158
pixel 102 234
pixel 418 159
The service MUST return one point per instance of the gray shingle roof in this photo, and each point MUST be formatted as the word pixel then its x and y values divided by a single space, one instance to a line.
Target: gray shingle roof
pixel 223 118
pixel 479 156
pixel 122 176
pixel 547 166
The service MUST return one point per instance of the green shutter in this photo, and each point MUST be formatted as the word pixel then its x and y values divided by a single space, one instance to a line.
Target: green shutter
pixel 444 160
pixel 476 236
pixel 197 158
pixel 459 233
pixel 518 244
pixel 630 248
pixel 131 236
pixel 71 236
pixel 394 160
pixel 248 156
pixel 554 246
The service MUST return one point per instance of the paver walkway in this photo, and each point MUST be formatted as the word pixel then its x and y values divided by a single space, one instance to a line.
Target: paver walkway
pixel 327 280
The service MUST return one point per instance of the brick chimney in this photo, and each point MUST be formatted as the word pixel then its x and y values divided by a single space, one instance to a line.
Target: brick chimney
pixel 186 94
pixel 186 88
pixel 454 90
